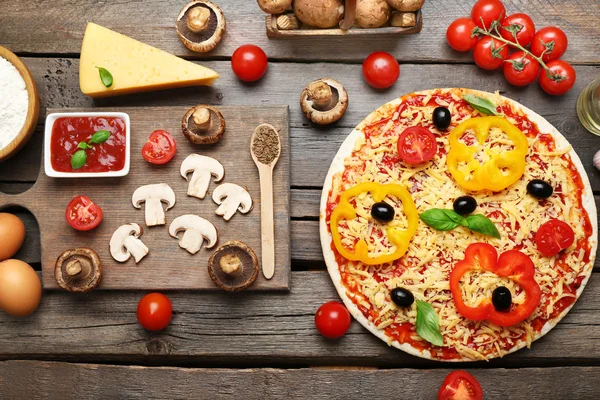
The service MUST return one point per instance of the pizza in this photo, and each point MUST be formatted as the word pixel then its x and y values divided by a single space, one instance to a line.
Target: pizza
pixel 464 247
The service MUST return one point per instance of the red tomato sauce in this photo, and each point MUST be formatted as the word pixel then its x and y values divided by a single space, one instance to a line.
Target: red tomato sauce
pixel 68 132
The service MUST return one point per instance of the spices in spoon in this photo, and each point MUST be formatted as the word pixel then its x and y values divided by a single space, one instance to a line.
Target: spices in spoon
pixel 266 145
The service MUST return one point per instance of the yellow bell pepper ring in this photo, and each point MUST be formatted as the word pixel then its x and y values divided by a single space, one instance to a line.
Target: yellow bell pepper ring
pixel 500 170
pixel 400 238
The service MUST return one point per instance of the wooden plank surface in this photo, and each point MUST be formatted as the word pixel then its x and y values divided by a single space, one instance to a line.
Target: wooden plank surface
pixel 153 21
pixel 51 380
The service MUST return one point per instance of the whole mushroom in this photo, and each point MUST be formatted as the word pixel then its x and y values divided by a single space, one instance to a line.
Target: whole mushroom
pixel 274 6
pixel 324 101
pixel 78 270
pixel 406 5
pixel 233 266
pixel 203 124
pixel 319 13
pixel 200 25
pixel 372 13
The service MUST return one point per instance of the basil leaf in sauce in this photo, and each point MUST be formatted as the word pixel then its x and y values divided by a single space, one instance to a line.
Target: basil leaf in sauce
pixel 428 323
pixel 83 145
pixel 100 137
pixel 482 224
pixel 78 159
pixel 483 105
pixel 105 76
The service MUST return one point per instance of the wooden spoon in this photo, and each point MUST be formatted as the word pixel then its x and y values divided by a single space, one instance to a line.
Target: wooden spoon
pixel 265 147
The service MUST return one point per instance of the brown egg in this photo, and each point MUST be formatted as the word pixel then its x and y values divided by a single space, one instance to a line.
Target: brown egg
pixel 20 288
pixel 12 235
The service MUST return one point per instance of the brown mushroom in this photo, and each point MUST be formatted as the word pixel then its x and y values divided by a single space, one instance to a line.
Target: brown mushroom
pixel 275 6
pixel 78 270
pixel 319 13
pixel 406 5
pixel 287 22
pixel 324 101
pixel 200 25
pixel 372 13
pixel 233 266
pixel 403 19
pixel 203 124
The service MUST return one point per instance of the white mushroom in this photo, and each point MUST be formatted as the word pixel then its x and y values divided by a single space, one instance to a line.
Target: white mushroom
pixel 124 243
pixel 197 230
pixel 154 196
pixel 202 168
pixel 231 198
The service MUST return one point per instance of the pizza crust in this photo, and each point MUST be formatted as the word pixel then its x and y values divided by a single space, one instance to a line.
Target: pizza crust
pixel 337 165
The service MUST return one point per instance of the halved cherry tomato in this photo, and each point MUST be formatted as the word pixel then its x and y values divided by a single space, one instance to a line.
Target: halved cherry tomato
pixel 554 236
pixel 484 12
pixel 417 145
pixel 460 385
pixel 551 41
pixel 83 214
pixel 332 320
pixel 459 36
pixel 490 53
pixel 523 26
pixel 249 63
pixel 154 311
pixel 521 69
pixel 381 70
pixel 160 148
pixel 560 79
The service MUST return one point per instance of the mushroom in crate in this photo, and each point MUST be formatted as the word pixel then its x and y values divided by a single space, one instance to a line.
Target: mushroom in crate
pixel 125 243
pixel 203 124
pixel 196 232
pixel 154 196
pixel 274 6
pixel 78 270
pixel 200 25
pixel 372 13
pixel 233 266
pixel 319 13
pixel 203 168
pixel 324 101
pixel 231 198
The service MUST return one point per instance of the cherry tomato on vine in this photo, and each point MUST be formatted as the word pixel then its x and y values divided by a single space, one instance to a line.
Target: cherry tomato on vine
pixel 83 214
pixel 417 145
pixel 552 40
pixel 521 24
pixel 521 69
pixel 490 53
pixel 554 236
pixel 484 12
pixel 460 385
pixel 381 70
pixel 154 311
pixel 249 62
pixel 459 36
pixel 332 320
pixel 160 148
pixel 560 79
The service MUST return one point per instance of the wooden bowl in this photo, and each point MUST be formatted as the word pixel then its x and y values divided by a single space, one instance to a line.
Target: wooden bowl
pixel 33 108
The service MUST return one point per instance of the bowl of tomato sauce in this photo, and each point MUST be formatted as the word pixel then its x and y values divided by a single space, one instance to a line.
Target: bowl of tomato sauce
pixel 87 144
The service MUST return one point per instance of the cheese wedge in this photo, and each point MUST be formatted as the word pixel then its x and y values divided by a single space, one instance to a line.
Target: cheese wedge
pixel 135 66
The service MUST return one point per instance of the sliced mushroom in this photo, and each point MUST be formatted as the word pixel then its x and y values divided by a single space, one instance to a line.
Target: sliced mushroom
pixel 319 13
pixel 403 19
pixel 406 5
pixel 200 25
pixel 349 15
pixel 324 101
pixel 233 266
pixel 203 168
pixel 231 198
pixel 287 22
pixel 154 196
pixel 78 270
pixel 275 6
pixel 125 243
pixel 203 125
pixel 196 231
pixel 372 13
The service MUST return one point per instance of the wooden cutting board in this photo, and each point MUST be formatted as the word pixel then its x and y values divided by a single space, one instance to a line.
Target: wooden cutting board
pixel 167 266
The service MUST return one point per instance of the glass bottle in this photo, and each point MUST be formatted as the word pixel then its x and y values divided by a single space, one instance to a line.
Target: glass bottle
pixel 588 107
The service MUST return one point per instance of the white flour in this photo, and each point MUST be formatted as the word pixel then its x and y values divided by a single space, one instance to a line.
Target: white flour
pixel 13 102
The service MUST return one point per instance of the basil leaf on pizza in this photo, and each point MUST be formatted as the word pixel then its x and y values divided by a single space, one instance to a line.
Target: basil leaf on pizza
pixel 483 105
pixel 445 220
pixel 428 323
pixel 482 224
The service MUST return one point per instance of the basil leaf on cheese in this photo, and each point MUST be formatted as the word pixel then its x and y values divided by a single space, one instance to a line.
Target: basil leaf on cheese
pixel 482 224
pixel 428 323
pixel 483 105
pixel 105 76
pixel 441 220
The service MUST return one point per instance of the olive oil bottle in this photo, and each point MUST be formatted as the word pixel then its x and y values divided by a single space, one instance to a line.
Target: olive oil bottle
pixel 588 107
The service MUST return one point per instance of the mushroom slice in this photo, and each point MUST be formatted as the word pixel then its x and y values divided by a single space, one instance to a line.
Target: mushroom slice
pixel 200 25
pixel 125 243
pixel 78 270
pixel 203 168
pixel 324 101
pixel 233 266
pixel 196 231
pixel 203 124
pixel 275 6
pixel 287 22
pixel 403 19
pixel 231 198
pixel 154 196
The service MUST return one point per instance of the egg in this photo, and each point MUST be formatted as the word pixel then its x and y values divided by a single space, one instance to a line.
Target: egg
pixel 20 288
pixel 12 235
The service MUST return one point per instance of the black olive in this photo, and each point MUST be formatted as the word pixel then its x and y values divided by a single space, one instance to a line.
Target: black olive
pixel 442 118
pixel 402 297
pixel 501 298
pixel 464 205
pixel 383 212
pixel 540 189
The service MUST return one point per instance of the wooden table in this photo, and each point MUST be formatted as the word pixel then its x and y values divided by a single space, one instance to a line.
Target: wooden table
pixel 265 345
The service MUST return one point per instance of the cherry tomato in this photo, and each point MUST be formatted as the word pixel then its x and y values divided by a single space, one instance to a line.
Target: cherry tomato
pixel 154 311
pixel 459 36
pixel 160 148
pixel 332 320
pixel 561 79
pixel 554 236
pixel 416 145
pixel 381 70
pixel 521 69
pixel 83 214
pixel 460 385
pixel 484 12
pixel 551 41
pixel 523 26
pixel 490 53
pixel 249 62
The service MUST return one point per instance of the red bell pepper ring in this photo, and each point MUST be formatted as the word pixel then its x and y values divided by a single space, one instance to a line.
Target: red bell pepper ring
pixel 511 264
